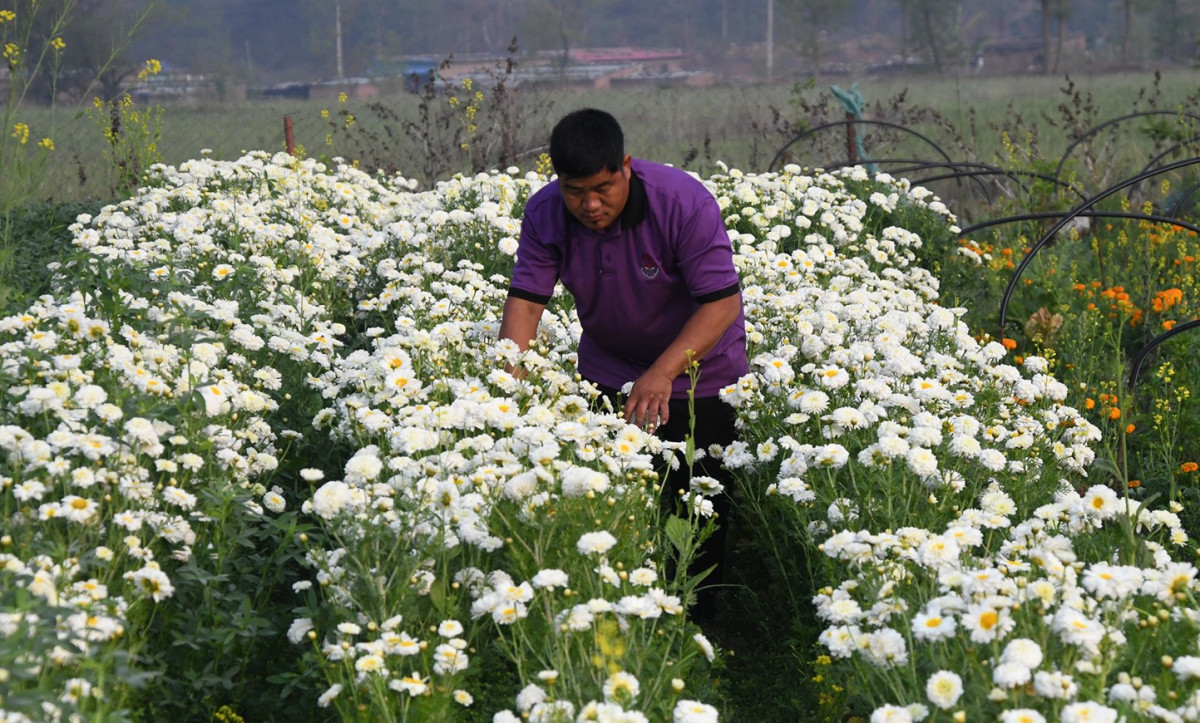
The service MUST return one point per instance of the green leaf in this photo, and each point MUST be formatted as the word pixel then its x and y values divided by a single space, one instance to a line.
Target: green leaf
pixel 694 580
pixel 679 533
pixel 437 596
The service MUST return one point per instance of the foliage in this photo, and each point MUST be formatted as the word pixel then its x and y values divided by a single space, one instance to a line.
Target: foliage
pixel 132 136
pixel 27 55
pixel 462 125
pixel 41 241
pixel 31 34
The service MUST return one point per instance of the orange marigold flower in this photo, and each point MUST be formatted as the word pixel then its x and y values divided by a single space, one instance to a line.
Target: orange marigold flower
pixel 1134 483
pixel 1009 343
pixel 1089 403
pixel 1079 287
pixel 1129 428
pixel 1168 325
pixel 1189 467
pixel 1114 413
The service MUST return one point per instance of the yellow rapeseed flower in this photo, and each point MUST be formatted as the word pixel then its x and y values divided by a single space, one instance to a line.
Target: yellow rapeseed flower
pixel 152 67
pixel 7 16
pixel 12 53
pixel 342 97
pixel 47 144
pixel 21 132
pixel 58 44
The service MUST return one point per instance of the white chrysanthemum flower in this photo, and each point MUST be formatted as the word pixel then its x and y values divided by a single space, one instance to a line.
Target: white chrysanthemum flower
pixel 943 689
pixel 298 632
pixel 1100 502
pixel 891 714
pixel 1022 651
pixel 595 543
pixel 987 623
pixel 1055 684
pixel 330 499
pixel 1011 675
pixel 934 625
pixel 1087 712
pixel 1021 715
pixel 691 711
pixel 550 579
pixel 621 687
pixel 329 695
pixel 643 577
pixel 448 659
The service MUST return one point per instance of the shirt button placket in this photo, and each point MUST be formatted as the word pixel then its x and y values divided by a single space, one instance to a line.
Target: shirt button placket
pixel 606 254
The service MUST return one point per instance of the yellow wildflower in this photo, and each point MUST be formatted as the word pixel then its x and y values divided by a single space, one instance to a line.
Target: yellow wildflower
pixel 152 67
pixel 21 132
pixel 47 144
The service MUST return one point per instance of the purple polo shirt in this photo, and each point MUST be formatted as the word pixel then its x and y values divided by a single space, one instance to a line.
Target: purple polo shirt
pixel 637 282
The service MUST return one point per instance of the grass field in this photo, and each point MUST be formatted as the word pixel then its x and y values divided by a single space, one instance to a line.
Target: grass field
pixel 693 127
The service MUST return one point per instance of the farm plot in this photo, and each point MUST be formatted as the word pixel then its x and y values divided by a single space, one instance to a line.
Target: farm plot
pixel 260 444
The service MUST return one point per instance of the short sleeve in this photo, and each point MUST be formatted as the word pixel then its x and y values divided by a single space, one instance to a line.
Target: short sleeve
pixel 705 254
pixel 536 270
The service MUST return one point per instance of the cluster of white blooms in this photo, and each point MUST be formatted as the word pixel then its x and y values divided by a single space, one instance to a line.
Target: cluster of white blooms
pixel 519 505
pixel 910 450
pixel 143 395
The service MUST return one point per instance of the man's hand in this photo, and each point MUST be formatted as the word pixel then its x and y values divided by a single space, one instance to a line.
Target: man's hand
pixel 650 398
pixel 519 323
pixel 649 403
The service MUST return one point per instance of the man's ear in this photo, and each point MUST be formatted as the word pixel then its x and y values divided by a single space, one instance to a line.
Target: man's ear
pixel 626 169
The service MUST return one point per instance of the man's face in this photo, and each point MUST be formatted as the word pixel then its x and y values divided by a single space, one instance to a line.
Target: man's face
pixel 597 200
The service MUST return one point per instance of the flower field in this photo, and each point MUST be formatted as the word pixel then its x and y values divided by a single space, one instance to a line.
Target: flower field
pixel 260 446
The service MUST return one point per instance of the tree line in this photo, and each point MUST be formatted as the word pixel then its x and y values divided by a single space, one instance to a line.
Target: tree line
pixel 264 41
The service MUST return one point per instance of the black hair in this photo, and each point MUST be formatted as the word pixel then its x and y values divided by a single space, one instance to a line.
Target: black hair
pixel 585 142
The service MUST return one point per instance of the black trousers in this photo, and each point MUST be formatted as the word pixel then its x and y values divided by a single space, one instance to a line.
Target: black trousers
pixel 715 424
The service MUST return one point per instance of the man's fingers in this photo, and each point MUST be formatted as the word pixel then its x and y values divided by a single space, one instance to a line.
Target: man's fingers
pixel 647 410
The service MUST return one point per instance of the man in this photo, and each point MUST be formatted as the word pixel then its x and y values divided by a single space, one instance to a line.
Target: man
pixel 643 250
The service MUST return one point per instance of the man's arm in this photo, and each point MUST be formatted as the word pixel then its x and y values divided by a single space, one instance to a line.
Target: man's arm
pixel 520 323
pixel 648 405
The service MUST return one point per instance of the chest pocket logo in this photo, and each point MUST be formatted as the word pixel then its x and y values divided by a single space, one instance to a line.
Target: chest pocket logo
pixel 649 268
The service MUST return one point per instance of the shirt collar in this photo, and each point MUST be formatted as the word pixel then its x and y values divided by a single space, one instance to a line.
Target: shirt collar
pixel 635 206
